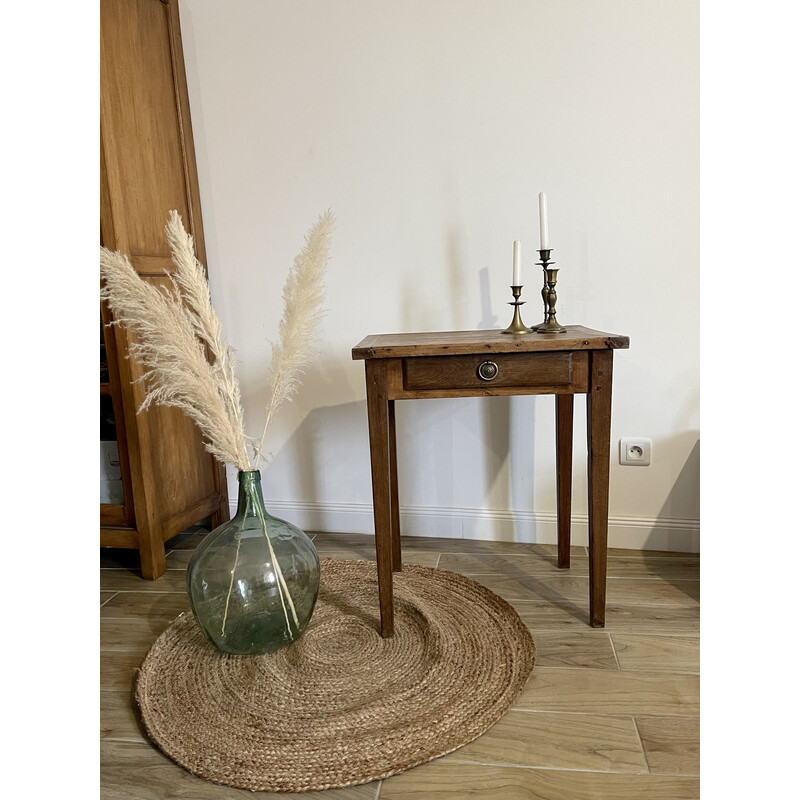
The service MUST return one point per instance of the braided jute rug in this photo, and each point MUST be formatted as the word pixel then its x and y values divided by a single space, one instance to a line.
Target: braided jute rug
pixel 341 706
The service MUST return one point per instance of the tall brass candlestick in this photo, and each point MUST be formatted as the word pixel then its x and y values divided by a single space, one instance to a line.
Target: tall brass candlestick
pixel 517 326
pixel 550 324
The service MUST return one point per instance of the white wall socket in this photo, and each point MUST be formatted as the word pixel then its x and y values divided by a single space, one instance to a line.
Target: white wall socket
pixel 634 452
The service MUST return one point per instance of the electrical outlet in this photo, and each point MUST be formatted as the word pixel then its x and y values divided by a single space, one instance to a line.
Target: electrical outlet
pixel 634 452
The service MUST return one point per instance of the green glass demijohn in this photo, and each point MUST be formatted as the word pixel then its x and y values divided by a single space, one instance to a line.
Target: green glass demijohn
pixel 253 581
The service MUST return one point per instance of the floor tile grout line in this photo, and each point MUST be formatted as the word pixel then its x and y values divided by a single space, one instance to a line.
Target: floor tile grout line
pixel 663 673
pixel 439 558
pixel 689 636
pixel 608 714
pixel 121 738
pixel 641 743
pixel 601 669
pixel 653 578
pixel 638 555
pixel 613 649
pixel 568 601
pixel 603 715
pixel 115 593
pixel 460 762
pixel 378 789
pixel 549 769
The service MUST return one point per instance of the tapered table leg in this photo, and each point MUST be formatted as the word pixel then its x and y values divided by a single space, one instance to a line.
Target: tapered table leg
pixel 598 431
pixel 397 559
pixel 378 414
pixel 564 407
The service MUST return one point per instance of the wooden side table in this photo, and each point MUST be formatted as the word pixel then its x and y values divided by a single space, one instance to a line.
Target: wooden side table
pixel 407 366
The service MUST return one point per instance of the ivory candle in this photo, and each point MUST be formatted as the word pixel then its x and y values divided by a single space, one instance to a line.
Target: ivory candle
pixel 543 240
pixel 516 280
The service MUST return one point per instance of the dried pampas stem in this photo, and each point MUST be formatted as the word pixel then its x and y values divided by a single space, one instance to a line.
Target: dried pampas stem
pixel 189 279
pixel 177 371
pixel 303 294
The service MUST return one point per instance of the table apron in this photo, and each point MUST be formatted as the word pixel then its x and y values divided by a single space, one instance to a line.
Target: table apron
pixel 454 376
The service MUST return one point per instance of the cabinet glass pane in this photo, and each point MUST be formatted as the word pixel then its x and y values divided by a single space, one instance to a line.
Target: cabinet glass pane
pixel 110 474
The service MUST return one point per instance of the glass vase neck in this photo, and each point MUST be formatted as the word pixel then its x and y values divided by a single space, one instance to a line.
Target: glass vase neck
pixel 251 500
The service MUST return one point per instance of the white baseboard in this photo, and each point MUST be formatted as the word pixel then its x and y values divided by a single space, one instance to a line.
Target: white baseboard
pixel 633 533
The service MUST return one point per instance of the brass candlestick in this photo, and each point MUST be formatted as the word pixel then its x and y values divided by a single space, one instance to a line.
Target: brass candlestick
pixel 517 326
pixel 549 297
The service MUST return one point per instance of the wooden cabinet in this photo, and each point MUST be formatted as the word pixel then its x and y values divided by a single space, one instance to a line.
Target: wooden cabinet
pixel 147 168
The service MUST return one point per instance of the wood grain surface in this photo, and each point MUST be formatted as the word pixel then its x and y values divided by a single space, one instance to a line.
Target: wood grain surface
pixel 399 345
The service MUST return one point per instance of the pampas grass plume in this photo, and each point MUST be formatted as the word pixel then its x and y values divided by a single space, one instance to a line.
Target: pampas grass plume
pixel 303 295
pixel 178 337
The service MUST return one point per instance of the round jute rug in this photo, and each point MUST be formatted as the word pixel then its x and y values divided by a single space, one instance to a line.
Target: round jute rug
pixel 341 706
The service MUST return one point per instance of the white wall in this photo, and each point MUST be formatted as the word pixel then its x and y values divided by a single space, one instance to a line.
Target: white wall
pixel 429 126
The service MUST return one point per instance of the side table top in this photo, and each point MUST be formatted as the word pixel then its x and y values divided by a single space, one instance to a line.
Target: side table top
pixel 439 343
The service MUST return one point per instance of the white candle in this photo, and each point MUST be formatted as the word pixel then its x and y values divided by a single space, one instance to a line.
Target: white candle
pixel 543 241
pixel 517 279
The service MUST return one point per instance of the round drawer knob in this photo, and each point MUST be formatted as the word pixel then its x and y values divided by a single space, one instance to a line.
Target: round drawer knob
pixel 487 371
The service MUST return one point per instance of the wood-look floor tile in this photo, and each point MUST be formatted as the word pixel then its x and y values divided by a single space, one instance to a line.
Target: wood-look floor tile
pixel 118 634
pixel 668 569
pixel 590 648
pixel 118 669
pixel 629 618
pixel 448 781
pixel 179 559
pixel 644 618
pixel 622 552
pixel 657 653
pixel 559 741
pixel 557 588
pixel 639 565
pixel 106 596
pixel 653 590
pixel 119 718
pixel 605 691
pixel 145 605
pixel 134 771
pixel 120 580
pixel 671 744
pixel 527 563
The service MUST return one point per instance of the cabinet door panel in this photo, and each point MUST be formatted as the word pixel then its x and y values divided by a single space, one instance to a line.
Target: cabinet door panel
pixel 147 169
pixel 141 123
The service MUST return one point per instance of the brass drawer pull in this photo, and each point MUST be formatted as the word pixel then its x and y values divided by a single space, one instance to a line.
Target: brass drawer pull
pixel 487 370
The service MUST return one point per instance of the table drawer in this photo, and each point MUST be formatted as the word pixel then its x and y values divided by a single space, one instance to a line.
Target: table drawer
pixel 489 371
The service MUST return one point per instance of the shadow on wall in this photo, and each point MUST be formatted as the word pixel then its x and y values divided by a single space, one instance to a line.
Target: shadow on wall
pixel 326 457
pixel 488 320
pixel 685 493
